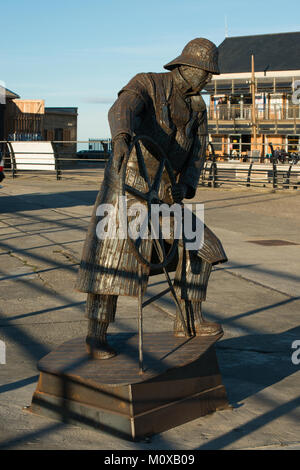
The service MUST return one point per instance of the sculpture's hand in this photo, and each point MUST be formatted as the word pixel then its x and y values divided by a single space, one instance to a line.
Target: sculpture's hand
pixel 120 150
pixel 179 191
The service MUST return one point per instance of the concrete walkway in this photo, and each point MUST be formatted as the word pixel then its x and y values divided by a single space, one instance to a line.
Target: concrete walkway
pixel 256 297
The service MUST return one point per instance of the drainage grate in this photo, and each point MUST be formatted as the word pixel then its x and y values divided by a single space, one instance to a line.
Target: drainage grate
pixel 272 242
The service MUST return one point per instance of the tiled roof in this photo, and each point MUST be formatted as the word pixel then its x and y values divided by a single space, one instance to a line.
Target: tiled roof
pixel 271 51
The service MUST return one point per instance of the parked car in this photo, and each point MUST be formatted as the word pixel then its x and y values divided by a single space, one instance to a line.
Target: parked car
pixel 2 175
pixel 89 154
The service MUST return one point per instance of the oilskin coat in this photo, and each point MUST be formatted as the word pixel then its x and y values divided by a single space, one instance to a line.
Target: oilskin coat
pixel 151 104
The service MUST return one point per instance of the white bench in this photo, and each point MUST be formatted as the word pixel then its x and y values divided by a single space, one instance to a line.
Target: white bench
pixel 32 155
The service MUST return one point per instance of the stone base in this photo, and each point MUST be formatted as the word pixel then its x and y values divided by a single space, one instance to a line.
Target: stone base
pixel 181 382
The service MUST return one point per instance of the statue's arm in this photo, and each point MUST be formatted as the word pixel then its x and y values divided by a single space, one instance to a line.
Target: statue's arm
pixel 191 173
pixel 124 114
pixel 123 117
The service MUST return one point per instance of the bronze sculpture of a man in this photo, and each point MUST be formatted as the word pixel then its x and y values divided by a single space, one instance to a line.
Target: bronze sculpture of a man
pixel 167 107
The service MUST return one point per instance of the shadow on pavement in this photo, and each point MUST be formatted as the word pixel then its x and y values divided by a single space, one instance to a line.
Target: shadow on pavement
pixel 37 201
pixel 251 363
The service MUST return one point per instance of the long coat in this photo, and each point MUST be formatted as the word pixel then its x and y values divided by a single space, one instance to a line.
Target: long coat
pixel 153 105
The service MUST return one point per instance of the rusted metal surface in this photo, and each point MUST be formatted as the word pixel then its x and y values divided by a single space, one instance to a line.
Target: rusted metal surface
pixel 181 382
pixel 162 351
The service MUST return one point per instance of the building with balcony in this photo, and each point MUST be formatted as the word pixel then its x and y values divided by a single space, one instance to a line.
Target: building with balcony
pixel 251 103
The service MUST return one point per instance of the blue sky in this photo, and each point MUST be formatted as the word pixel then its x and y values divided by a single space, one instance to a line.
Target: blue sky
pixel 81 52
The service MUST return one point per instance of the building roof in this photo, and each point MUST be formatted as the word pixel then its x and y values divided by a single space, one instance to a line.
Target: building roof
pixel 10 94
pixel 271 51
pixel 60 110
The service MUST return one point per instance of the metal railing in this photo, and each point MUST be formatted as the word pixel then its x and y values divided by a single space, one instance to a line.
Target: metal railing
pixel 219 170
pixel 269 173
pixel 215 174
pixel 224 112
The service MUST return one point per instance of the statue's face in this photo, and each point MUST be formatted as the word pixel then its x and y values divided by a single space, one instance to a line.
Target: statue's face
pixel 196 78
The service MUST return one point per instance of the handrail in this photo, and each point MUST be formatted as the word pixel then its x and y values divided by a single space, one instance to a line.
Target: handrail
pixel 270 173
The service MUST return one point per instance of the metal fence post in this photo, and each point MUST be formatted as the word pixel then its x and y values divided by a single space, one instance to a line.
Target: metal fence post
pixel 274 166
pixel 214 174
pixel 274 175
pixel 288 177
pixel 57 165
pixel 249 174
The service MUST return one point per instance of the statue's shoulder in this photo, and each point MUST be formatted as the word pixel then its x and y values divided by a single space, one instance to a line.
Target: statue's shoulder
pixel 160 79
pixel 150 78
pixel 138 82
pixel 147 84
pixel 162 85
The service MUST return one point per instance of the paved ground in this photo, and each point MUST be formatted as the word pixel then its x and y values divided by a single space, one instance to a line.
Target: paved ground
pixel 256 297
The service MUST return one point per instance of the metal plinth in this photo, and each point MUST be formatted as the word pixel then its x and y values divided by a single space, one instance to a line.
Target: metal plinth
pixel 181 382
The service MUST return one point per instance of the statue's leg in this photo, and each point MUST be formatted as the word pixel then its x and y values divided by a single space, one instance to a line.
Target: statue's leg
pixel 191 280
pixel 100 311
pixel 196 324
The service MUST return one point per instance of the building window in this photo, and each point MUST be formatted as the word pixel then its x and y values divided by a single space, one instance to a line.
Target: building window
pixel 58 134
pixel 293 143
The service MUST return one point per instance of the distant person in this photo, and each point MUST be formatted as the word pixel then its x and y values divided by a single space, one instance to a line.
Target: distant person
pixel 276 155
pixel 222 110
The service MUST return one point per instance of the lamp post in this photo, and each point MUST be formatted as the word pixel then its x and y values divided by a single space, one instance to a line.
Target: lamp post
pixel 253 102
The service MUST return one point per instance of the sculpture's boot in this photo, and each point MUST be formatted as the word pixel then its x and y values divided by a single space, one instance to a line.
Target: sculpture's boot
pixel 206 328
pixel 196 325
pixel 96 340
pixel 179 330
